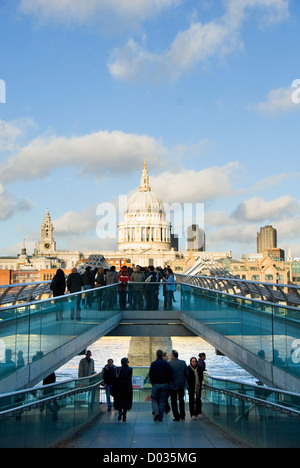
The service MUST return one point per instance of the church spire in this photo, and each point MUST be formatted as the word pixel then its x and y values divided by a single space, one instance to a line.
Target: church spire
pixel 145 187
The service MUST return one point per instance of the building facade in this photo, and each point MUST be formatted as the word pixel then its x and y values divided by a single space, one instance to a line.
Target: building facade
pixel 266 239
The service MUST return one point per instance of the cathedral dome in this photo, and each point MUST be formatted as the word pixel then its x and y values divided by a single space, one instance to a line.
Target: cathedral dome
pixel 145 201
pixel 145 225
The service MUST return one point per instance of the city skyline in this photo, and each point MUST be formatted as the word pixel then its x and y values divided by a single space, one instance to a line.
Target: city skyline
pixel 208 92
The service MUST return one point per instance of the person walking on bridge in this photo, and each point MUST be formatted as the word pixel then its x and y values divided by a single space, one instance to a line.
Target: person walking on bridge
pixel 86 366
pixel 138 277
pixel 160 376
pixel 109 375
pixel 123 390
pixel 194 379
pixel 74 285
pixel 178 385
pixel 58 286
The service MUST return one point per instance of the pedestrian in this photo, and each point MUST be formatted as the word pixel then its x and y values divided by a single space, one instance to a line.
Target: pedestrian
pixel 20 360
pixel 160 377
pixel 170 288
pixel 137 278
pixel 109 375
pixel 130 295
pixel 88 283
pixel 86 365
pixel 100 282
pixel 168 408
pixel 58 287
pixel 123 390
pixel 151 288
pixel 178 385
pixel 194 379
pixel 111 278
pixel 74 285
pixel 201 361
pixel 123 278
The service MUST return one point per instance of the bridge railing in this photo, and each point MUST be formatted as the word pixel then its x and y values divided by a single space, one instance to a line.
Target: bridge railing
pixel 271 292
pixel 13 294
pixel 269 331
pixel 41 416
pixel 259 415
pixel 30 331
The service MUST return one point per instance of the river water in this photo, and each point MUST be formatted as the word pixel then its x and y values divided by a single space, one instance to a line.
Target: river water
pixel 118 347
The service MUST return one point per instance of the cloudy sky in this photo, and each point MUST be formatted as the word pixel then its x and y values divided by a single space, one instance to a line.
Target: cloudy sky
pixel 207 91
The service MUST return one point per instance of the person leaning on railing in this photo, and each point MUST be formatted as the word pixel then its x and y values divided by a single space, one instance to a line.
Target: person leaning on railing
pixel 170 288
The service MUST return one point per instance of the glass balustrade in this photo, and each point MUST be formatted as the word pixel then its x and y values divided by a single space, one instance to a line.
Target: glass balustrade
pixel 42 416
pixel 256 414
pixel 270 331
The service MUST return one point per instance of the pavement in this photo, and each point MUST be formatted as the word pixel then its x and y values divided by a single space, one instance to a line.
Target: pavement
pixel 141 431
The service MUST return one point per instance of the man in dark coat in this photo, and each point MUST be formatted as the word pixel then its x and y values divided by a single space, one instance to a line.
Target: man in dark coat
pixel 74 284
pixel 109 376
pixel 178 385
pixel 160 376
pixel 123 390
pixel 88 283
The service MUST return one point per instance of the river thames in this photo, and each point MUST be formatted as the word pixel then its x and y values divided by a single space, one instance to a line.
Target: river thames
pixel 118 347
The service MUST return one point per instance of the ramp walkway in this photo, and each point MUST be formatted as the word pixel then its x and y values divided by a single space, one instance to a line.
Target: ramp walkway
pixel 140 431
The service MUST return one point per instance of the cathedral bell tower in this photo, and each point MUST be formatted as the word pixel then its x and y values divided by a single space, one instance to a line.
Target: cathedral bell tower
pixel 47 244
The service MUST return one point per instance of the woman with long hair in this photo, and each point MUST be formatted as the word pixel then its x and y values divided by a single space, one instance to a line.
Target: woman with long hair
pixel 194 380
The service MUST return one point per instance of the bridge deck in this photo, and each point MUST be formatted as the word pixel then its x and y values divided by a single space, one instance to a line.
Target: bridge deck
pixel 140 431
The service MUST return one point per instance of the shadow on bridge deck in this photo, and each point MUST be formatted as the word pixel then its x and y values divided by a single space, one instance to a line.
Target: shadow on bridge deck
pixel 140 431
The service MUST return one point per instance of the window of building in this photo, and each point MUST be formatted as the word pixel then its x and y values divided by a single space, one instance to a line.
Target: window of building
pixel 269 278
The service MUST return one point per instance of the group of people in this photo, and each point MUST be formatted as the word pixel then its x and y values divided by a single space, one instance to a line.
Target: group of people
pixel 75 282
pixel 139 287
pixel 169 379
pixel 131 288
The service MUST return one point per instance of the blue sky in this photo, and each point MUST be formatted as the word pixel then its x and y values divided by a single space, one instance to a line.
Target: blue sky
pixel 207 91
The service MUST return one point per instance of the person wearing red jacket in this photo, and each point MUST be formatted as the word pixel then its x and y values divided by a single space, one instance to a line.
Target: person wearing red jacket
pixel 123 278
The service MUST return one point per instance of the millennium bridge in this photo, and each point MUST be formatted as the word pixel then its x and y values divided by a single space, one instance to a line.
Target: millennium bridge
pixel 257 325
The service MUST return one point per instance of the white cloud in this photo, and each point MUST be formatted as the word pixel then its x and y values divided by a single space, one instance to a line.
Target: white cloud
pixel 270 11
pixel 9 205
pixel 288 228
pixel 200 42
pixel 256 209
pixel 76 223
pixel 102 153
pixel 279 101
pixel 79 228
pixel 187 186
pixel 235 234
pixel 218 219
pixel 12 132
pixel 86 11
